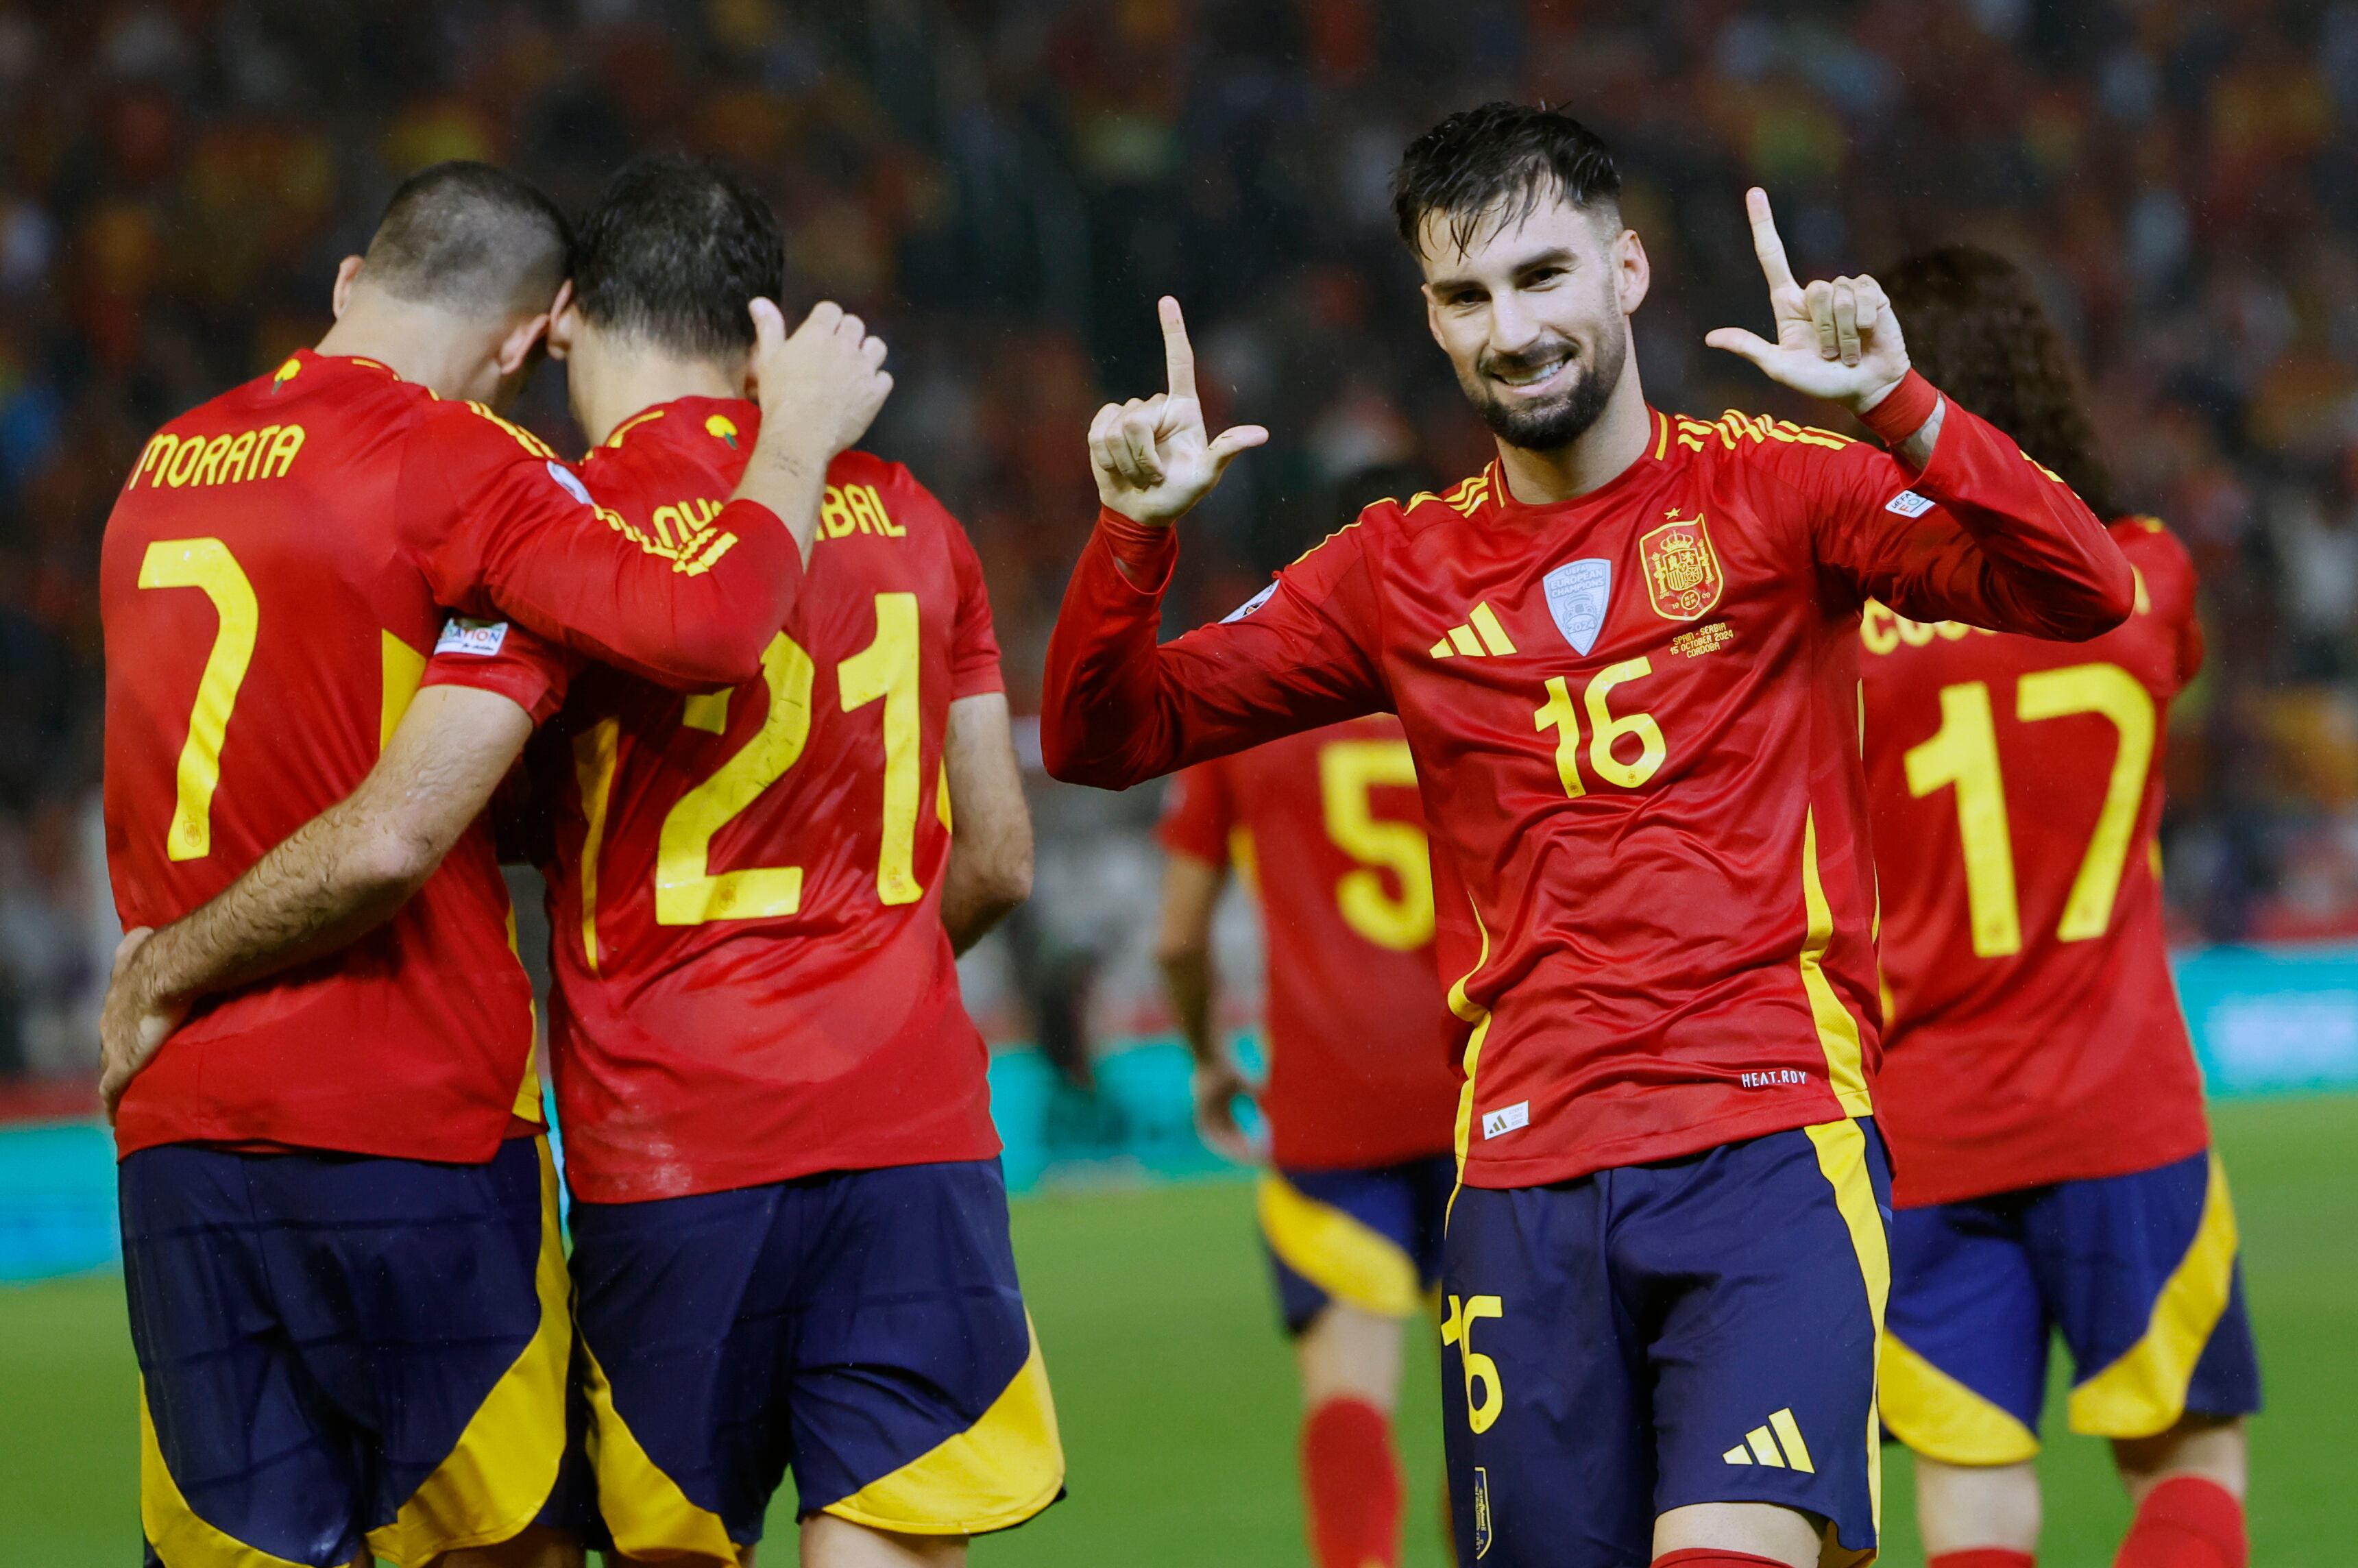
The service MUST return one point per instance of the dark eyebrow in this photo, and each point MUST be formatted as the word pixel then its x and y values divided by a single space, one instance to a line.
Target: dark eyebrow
pixel 1555 255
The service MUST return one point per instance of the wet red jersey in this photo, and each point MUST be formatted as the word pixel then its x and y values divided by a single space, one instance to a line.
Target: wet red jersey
pixel 273 578
pixel 751 978
pixel 1635 722
pixel 1328 830
pixel 2033 1032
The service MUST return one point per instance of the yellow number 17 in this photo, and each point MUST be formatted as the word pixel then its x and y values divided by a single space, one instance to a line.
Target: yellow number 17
pixel 1963 753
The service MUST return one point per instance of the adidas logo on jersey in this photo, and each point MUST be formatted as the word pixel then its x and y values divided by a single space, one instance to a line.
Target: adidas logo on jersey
pixel 1480 637
pixel 1778 1444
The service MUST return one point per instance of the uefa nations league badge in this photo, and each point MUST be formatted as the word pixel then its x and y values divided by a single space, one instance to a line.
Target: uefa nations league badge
pixel 1577 593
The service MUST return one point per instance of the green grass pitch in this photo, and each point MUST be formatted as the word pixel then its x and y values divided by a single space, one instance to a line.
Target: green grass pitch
pixel 1176 1391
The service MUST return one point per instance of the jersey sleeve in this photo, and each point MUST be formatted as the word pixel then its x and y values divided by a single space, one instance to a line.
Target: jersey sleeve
pixel 2166 582
pixel 1198 814
pixel 1116 709
pixel 974 643
pixel 513 534
pixel 499 656
pixel 1983 534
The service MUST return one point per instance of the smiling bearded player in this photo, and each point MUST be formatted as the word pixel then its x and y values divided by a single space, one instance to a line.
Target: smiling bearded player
pixel 1626 661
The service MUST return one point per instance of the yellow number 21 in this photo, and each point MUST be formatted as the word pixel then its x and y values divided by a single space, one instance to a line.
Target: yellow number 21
pixel 206 565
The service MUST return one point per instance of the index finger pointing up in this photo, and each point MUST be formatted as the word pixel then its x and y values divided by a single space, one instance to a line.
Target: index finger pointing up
pixel 1178 355
pixel 1765 243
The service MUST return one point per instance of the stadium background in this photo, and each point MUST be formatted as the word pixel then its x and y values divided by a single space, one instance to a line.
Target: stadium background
pixel 1001 186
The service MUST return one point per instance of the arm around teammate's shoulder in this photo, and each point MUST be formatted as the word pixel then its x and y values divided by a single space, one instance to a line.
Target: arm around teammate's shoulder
pixel 332 881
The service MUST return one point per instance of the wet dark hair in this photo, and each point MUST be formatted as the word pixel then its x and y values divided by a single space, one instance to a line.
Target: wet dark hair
pixel 674 249
pixel 467 236
pixel 1976 329
pixel 1502 157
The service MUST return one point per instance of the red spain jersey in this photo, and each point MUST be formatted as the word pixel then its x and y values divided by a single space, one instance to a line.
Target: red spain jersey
pixel 1635 722
pixel 2033 1032
pixel 751 978
pixel 273 579
pixel 1328 830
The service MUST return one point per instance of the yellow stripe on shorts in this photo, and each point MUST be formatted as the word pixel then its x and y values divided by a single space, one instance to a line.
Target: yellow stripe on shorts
pixel 2144 1391
pixel 998 1471
pixel 643 1507
pixel 1336 1251
pixel 180 1538
pixel 504 1465
pixel 1940 1418
pixel 1842 1156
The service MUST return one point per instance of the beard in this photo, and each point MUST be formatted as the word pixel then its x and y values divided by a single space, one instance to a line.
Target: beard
pixel 1555 422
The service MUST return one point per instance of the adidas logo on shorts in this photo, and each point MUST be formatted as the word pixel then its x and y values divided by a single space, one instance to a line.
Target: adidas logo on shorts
pixel 1779 1443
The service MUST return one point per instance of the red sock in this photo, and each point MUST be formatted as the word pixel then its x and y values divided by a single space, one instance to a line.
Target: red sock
pixel 1982 1557
pixel 1352 1482
pixel 1713 1557
pixel 2186 1522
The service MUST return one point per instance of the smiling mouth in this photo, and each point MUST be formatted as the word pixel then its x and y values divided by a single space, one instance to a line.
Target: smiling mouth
pixel 1525 379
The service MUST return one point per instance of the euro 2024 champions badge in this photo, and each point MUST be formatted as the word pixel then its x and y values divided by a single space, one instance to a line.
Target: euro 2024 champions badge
pixel 1577 595
pixel 1682 576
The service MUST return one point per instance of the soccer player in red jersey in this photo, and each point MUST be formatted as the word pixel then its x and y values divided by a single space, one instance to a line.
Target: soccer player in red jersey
pixel 1625 657
pixel 1360 1095
pixel 790 1229
pixel 346 1289
pixel 2053 1165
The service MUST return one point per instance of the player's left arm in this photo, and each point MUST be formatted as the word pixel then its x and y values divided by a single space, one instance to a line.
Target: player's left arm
pixel 1958 524
pixel 333 879
pixel 990 839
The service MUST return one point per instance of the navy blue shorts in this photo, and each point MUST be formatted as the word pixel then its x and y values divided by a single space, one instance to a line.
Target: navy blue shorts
pixel 1368 1237
pixel 863 1327
pixel 1700 1330
pixel 335 1347
pixel 2137 1272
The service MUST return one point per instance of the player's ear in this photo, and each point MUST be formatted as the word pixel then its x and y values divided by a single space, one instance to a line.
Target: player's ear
pixel 1633 274
pixel 347 272
pixel 516 350
pixel 564 321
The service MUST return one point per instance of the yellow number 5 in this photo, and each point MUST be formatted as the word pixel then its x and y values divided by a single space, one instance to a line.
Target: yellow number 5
pixel 1347 770
pixel 1481 1371
pixel 206 565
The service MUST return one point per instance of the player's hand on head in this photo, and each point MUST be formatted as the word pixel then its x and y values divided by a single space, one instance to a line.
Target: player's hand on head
pixel 821 385
pixel 1836 340
pixel 1153 456
pixel 1219 1085
pixel 132 1022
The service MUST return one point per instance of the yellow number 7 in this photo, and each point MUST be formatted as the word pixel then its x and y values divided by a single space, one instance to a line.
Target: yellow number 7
pixel 205 563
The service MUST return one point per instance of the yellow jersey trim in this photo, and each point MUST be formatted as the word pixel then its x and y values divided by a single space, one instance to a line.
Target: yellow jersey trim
pixel 1335 1250
pixel 172 1528
pixel 998 1473
pixel 1473 1013
pixel 643 1507
pixel 632 422
pixel 1842 1157
pixel 1838 1035
pixel 2144 1391
pixel 1939 1417
pixel 504 1463
pixel 401 669
pixel 594 755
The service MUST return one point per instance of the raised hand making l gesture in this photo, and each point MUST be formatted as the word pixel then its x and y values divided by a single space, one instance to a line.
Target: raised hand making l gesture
pixel 1153 455
pixel 1837 340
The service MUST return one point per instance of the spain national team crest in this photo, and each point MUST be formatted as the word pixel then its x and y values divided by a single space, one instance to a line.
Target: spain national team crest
pixel 1577 595
pixel 1683 577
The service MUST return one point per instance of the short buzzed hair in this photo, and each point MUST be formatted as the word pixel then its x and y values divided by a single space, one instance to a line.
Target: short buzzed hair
pixel 471 238
pixel 1502 158
pixel 674 251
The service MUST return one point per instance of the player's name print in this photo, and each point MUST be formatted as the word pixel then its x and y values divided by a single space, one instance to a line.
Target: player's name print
pixel 1882 630
pixel 229 458
pixel 855 509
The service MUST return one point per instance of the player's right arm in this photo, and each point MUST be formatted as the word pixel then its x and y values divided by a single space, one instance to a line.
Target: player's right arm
pixel 1197 817
pixel 989 869
pixel 526 542
pixel 332 881
pixel 1116 709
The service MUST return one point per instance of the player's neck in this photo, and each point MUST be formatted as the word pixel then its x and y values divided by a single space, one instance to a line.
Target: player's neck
pixel 612 379
pixel 447 354
pixel 1594 459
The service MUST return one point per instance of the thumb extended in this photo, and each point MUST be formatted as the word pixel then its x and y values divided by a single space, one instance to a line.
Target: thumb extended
pixel 1737 341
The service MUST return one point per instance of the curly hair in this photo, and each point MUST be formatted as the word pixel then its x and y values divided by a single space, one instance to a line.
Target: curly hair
pixel 1976 329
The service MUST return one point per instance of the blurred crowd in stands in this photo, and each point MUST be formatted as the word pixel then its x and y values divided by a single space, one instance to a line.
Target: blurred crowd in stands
pixel 1003 186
